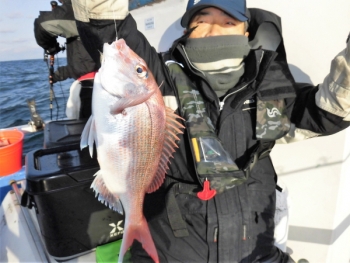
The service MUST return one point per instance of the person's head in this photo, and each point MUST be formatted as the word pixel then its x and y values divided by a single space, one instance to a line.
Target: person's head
pixel 215 18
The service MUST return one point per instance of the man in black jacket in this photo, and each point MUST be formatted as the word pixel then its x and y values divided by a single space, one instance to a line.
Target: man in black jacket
pixel 247 99
pixel 60 22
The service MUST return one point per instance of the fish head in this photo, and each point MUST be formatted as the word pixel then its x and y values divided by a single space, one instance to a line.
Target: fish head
pixel 123 72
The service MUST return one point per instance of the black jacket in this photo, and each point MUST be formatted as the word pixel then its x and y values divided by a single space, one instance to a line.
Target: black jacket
pixel 60 22
pixel 237 225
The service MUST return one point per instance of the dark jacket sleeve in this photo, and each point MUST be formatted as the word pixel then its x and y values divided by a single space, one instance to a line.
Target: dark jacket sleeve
pixel 98 32
pixel 307 116
pixel 61 22
pixel 308 120
pixel 43 38
pixel 323 109
pixel 79 62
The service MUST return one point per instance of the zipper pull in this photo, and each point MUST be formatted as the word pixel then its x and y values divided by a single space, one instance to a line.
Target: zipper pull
pixel 244 237
pixel 207 193
pixel 215 234
pixel 221 103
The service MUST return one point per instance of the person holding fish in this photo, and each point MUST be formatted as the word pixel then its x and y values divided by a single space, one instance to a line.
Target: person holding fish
pixel 233 94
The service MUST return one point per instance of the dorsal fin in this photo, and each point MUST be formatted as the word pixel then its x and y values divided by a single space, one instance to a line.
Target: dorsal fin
pixel 173 127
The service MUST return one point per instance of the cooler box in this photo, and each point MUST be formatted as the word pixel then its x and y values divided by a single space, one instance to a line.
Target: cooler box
pixel 63 132
pixel 72 221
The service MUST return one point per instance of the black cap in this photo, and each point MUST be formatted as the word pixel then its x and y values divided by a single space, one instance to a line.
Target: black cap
pixel 235 8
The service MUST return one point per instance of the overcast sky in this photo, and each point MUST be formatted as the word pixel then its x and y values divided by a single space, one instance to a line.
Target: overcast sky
pixel 17 31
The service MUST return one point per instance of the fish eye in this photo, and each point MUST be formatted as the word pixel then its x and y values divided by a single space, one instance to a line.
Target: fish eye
pixel 141 71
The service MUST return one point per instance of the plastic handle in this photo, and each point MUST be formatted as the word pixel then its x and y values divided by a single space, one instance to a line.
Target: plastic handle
pixel 207 193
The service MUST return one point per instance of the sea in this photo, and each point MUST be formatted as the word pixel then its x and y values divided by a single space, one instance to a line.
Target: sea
pixel 23 80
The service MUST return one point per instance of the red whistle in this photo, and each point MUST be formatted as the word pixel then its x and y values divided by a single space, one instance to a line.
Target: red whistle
pixel 207 193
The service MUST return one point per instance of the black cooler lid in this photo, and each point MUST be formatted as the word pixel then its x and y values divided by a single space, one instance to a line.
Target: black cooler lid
pixel 59 168
pixel 63 132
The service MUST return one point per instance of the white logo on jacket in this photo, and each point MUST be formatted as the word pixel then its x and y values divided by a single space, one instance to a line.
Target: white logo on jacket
pixel 273 112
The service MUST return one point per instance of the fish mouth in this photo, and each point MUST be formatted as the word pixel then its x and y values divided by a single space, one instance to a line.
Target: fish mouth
pixel 120 44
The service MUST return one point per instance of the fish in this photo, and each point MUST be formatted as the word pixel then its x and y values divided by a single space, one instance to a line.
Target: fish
pixel 135 136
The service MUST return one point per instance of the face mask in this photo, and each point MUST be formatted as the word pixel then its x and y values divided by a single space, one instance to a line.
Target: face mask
pixel 220 58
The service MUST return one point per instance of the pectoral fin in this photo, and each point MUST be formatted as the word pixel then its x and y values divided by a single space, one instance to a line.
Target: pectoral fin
pixel 126 102
pixel 88 135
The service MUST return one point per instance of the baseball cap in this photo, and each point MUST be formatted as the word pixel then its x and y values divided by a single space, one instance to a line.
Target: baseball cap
pixel 235 8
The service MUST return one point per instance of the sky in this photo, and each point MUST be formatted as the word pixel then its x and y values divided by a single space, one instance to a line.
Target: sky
pixel 17 39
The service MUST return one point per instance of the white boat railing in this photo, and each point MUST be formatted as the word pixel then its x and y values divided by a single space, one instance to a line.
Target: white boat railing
pixel 32 229
pixel 25 128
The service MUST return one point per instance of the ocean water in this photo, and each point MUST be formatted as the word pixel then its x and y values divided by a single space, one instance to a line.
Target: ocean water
pixel 28 79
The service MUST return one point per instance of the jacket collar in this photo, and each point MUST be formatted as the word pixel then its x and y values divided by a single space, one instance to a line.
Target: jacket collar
pixel 256 63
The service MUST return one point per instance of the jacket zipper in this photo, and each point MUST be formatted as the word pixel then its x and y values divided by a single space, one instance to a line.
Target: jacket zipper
pixel 222 103
pixel 189 61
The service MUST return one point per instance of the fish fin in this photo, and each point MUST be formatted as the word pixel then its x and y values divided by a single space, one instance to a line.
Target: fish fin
pixel 126 102
pixel 143 235
pixel 88 135
pixel 92 136
pixel 104 195
pixel 172 128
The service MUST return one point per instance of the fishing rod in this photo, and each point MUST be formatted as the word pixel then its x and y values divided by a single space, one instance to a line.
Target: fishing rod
pixel 36 123
pixel 52 93
pixel 51 69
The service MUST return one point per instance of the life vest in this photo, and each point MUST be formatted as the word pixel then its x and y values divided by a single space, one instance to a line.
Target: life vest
pixel 212 162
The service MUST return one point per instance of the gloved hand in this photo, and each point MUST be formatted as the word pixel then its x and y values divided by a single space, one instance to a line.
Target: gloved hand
pixel 52 79
pixel 55 77
pixel 54 50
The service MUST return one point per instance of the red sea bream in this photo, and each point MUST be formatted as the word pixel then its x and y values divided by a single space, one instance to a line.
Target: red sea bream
pixel 135 136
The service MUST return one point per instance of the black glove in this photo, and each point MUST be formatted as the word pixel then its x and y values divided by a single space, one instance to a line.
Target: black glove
pixel 54 50
pixel 52 79
pixel 55 77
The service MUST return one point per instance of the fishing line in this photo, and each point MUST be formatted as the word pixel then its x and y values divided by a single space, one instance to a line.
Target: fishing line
pixel 115 22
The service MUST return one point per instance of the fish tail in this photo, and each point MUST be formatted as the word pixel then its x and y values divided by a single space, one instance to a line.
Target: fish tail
pixel 104 195
pixel 141 233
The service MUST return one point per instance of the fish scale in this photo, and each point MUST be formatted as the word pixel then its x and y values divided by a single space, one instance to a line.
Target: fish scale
pixel 135 136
